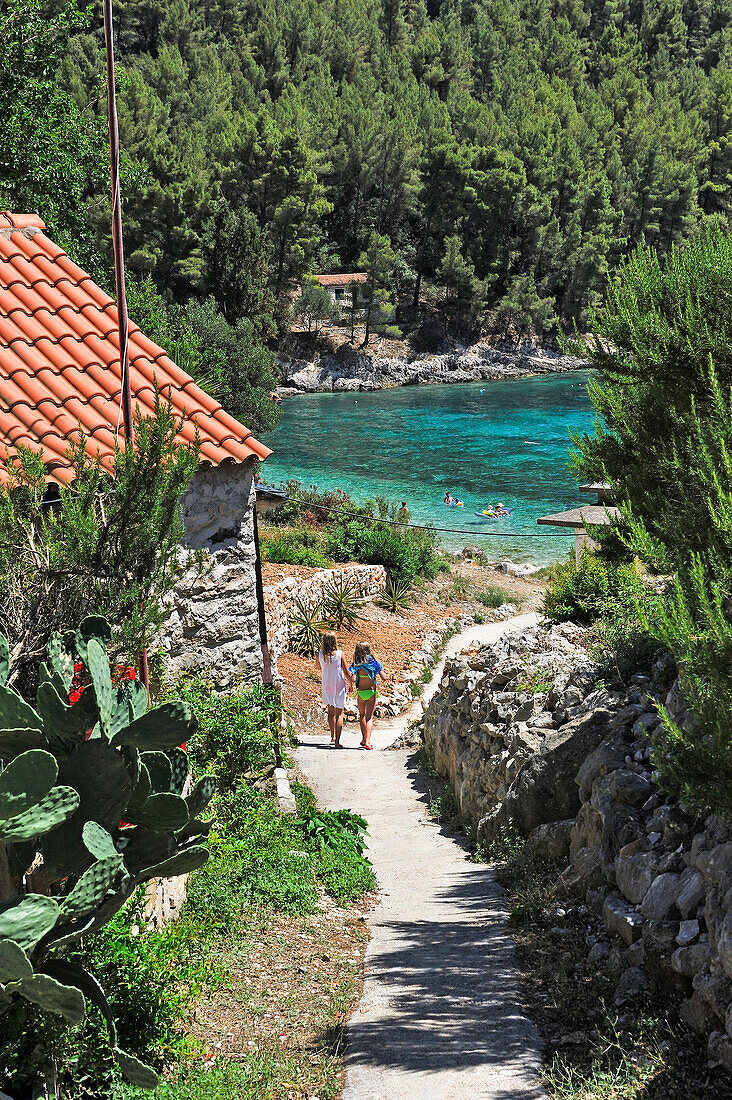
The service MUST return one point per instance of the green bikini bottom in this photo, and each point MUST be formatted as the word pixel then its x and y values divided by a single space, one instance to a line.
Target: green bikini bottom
pixel 365 693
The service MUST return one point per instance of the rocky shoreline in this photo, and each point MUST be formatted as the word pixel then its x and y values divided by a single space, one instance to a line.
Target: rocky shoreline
pixel 351 369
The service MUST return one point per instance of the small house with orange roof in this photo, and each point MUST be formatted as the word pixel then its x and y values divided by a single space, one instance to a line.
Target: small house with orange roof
pixel 61 379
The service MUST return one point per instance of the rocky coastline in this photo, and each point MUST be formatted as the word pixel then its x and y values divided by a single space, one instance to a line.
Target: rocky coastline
pixel 351 369
pixel 531 744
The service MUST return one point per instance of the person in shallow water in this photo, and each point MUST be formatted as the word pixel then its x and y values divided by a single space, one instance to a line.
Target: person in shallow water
pixel 365 669
pixel 335 682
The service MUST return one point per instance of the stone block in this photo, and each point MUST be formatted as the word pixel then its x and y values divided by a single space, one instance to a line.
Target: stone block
pixel 630 987
pixel 659 901
pixel 715 863
pixel 688 932
pixel 622 919
pixel 690 892
pixel 635 870
pixel 551 840
pixel 689 961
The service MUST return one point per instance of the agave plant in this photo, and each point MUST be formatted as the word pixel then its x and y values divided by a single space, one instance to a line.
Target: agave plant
pixel 395 597
pixel 307 628
pixel 342 604
pixel 73 774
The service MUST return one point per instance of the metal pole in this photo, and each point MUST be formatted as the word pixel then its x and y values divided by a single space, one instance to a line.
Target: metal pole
pixel 119 256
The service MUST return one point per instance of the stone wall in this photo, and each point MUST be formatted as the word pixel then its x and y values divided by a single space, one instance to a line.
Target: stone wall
pixel 213 623
pixel 279 598
pixel 530 744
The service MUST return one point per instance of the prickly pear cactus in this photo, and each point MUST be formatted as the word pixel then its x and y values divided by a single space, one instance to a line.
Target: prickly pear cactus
pixel 91 805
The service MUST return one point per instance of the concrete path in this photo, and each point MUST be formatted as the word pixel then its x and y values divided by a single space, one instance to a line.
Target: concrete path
pixel 440 1017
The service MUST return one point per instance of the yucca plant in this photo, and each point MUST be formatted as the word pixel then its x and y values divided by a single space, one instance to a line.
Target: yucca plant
pixel 342 604
pixel 307 629
pixel 396 597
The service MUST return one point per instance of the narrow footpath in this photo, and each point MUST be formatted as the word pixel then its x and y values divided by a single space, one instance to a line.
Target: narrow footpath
pixel 440 1016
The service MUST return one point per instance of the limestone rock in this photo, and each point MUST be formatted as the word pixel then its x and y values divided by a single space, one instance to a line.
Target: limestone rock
pixel 688 932
pixel 634 870
pixel 660 898
pixel 622 919
pixel 691 960
pixel 551 840
pixel 631 985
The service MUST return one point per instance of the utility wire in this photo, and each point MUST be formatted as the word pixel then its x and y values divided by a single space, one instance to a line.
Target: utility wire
pixel 429 527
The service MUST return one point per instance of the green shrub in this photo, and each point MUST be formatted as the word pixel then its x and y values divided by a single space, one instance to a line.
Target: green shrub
pixel 579 591
pixel 494 596
pixel 342 604
pixel 307 628
pixel 300 546
pixel 235 732
pixel 392 332
pixel 345 880
pixel 695 761
pixel 337 829
pixel 396 597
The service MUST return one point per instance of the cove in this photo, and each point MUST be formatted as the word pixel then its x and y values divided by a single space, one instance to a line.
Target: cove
pixel 484 441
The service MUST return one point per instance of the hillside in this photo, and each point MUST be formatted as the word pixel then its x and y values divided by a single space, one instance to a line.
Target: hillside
pixel 510 152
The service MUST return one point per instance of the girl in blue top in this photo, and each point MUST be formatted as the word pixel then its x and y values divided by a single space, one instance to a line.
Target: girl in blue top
pixel 366 668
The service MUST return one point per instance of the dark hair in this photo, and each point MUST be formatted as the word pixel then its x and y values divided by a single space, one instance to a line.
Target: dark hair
pixel 329 644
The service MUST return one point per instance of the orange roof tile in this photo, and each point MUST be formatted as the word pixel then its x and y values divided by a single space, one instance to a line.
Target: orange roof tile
pixel 342 280
pixel 60 375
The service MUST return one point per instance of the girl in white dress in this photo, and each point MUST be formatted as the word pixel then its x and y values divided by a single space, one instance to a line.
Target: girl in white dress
pixel 335 682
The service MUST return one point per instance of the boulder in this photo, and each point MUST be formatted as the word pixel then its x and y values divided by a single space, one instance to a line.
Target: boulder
pixel 688 932
pixel 551 840
pixel 715 863
pixel 608 756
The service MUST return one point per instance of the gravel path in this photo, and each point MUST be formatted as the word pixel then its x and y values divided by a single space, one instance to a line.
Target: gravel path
pixel 440 1016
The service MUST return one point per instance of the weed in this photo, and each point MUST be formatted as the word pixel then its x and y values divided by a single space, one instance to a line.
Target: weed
pixel 336 830
pixel 536 681
pixel 494 596
pixel 461 587
pixel 416 688
pixel 426 674
pixel 478 618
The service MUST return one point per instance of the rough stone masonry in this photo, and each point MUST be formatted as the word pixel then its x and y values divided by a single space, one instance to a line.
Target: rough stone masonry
pixel 530 743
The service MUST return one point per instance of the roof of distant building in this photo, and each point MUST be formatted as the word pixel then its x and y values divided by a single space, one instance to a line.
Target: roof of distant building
pixel 342 280
pixel 60 374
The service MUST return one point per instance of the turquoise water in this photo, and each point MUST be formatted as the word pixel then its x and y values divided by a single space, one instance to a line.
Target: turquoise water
pixel 485 442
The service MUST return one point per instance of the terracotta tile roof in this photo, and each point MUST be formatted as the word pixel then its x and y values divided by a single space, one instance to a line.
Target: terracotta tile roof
pixel 60 371
pixel 342 280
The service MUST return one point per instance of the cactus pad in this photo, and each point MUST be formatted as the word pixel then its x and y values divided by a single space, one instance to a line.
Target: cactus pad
pixel 163 727
pixel 164 812
pixel 14 963
pixel 26 918
pixel 201 795
pixel 61 660
pixel 52 996
pixel 94 626
pixel 53 810
pixel 97 662
pixel 4 660
pixel 136 1072
pixel 159 770
pixel 93 886
pixel 190 859
pixel 98 841
pixel 25 781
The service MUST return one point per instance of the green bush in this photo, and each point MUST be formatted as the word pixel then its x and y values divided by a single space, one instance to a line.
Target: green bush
pixel 580 591
pixel 235 731
pixel 300 546
pixel 494 596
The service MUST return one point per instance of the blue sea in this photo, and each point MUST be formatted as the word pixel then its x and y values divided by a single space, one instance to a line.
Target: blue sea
pixel 502 441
